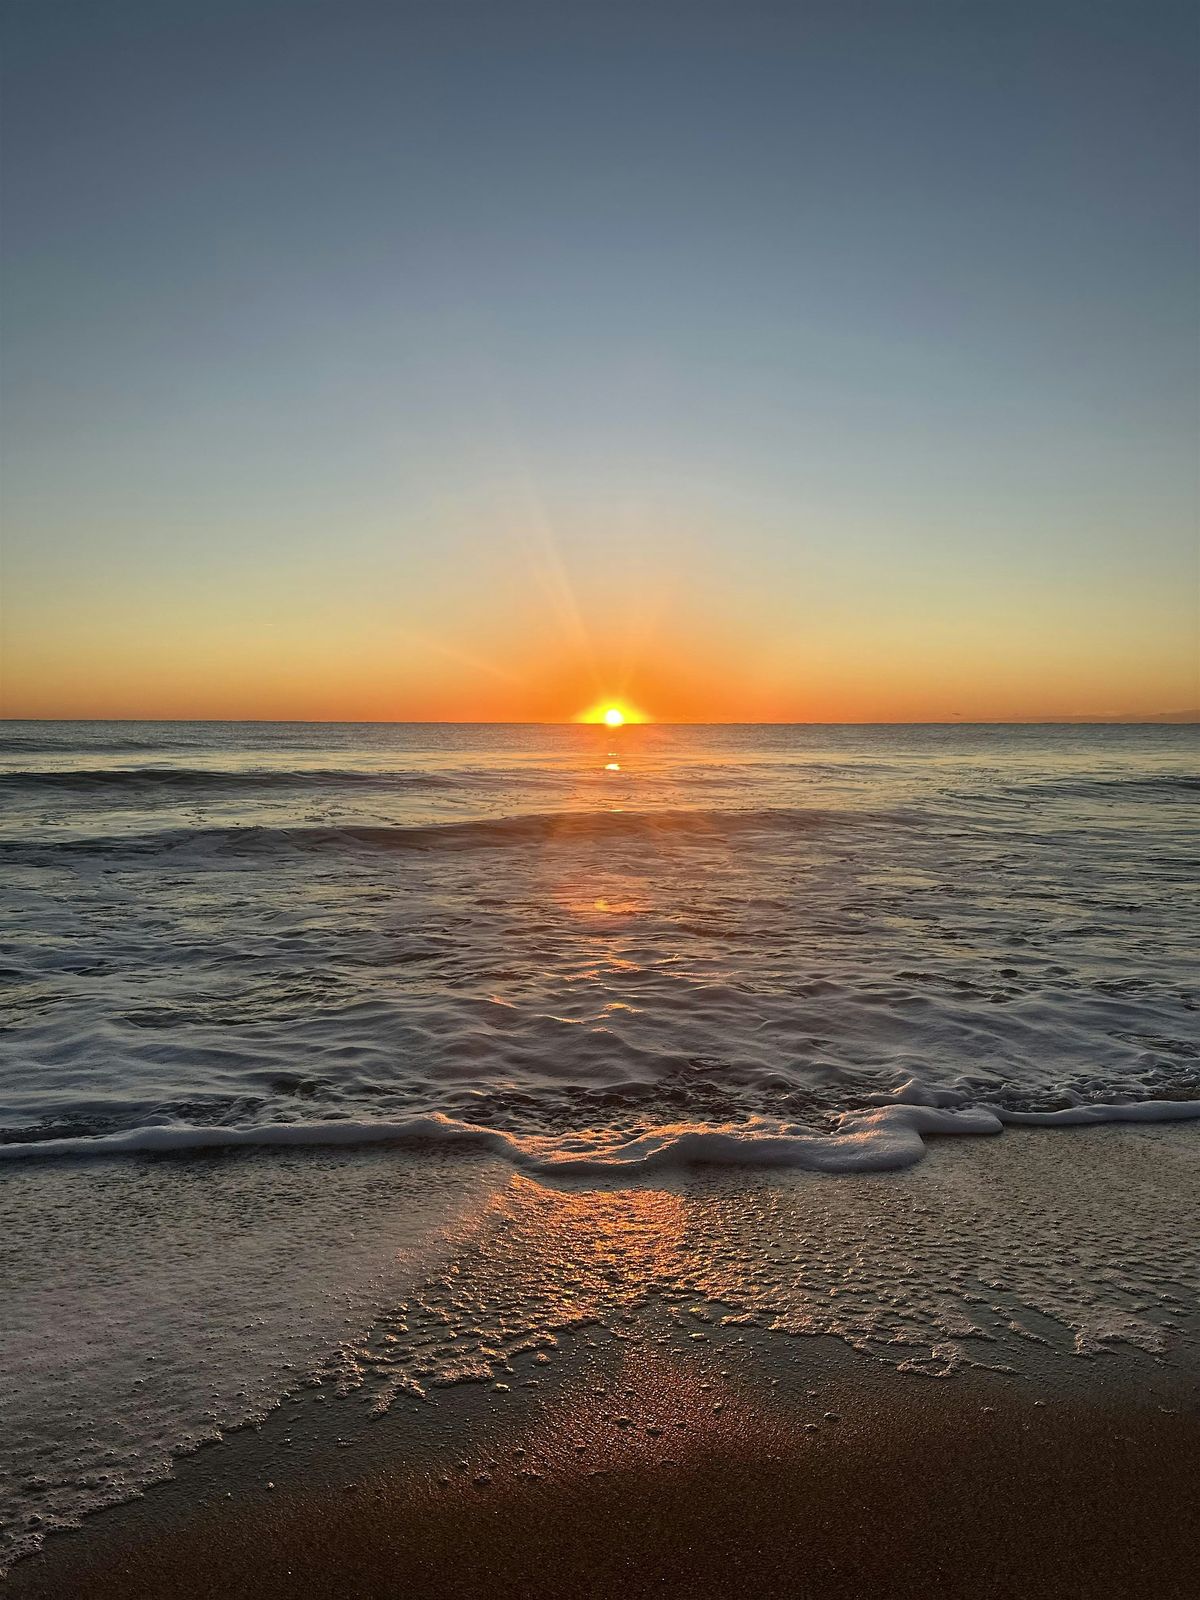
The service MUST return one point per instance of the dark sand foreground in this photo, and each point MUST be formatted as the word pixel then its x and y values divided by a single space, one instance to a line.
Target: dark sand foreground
pixel 625 1477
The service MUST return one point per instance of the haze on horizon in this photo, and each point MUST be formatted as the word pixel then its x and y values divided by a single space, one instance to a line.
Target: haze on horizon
pixel 740 362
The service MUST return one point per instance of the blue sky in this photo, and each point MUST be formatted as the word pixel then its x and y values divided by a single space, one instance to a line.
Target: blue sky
pixel 829 360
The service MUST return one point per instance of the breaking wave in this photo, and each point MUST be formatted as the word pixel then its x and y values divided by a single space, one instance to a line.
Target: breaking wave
pixel 886 1139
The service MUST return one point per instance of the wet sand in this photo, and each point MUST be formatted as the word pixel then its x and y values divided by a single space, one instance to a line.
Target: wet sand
pixel 631 1471
pixel 978 1378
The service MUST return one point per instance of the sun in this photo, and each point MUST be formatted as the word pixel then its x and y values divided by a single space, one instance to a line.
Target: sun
pixel 612 714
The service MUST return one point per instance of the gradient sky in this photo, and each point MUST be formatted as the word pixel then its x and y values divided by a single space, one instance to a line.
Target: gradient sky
pixel 782 362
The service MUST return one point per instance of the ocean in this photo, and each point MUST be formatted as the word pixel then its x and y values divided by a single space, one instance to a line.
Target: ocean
pixel 592 944
pixel 363 1060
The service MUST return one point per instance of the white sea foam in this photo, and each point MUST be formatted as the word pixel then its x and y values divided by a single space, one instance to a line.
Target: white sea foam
pixel 883 1140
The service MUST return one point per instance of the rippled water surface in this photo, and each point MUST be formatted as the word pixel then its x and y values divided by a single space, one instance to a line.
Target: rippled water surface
pixel 601 959
pixel 578 937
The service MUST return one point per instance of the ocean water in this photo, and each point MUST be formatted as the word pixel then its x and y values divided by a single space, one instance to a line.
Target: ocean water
pixel 584 948
pixel 485 1043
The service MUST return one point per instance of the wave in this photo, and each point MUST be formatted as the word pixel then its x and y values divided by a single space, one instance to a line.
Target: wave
pixel 34 744
pixel 1161 786
pixel 883 1140
pixel 485 832
pixel 90 779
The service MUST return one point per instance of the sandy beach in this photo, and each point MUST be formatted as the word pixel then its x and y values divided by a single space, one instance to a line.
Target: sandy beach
pixel 511 1427
pixel 626 1476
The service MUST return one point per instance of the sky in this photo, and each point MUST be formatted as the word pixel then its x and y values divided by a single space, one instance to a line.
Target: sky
pixel 727 362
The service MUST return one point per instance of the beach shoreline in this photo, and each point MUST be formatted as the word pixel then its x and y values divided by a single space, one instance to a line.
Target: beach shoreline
pixel 978 1376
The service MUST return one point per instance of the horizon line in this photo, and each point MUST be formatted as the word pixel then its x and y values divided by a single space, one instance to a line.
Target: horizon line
pixel 1187 718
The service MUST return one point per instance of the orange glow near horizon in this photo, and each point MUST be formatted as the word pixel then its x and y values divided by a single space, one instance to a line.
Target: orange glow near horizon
pixel 529 640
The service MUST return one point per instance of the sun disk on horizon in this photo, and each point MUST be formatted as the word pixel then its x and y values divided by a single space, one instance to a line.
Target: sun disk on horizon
pixel 612 714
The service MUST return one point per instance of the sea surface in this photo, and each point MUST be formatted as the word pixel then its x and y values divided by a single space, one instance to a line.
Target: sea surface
pixel 798 944
pixel 351 1062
